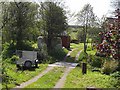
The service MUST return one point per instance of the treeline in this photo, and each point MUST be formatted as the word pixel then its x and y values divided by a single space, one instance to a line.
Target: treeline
pixel 23 22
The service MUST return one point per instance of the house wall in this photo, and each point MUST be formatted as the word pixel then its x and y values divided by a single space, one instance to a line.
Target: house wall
pixel 65 41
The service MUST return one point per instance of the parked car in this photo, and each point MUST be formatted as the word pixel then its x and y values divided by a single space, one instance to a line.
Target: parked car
pixel 27 59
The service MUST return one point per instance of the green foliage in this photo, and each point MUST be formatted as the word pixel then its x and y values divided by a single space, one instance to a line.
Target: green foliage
pixel 83 56
pixel 19 22
pixel 116 75
pixel 109 66
pixel 48 80
pixel 14 58
pixel 76 79
pixel 59 53
pixel 52 24
pixel 6 79
pixel 8 50
pixel 49 60
pixel 26 45
pixel 96 61
pixel 89 48
pixel 80 36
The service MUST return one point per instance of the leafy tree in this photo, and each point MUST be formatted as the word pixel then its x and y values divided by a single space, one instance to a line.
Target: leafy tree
pixel 86 18
pixel 54 21
pixel 19 19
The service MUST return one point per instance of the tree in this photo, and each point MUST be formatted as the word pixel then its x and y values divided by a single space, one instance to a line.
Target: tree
pixel 110 45
pixel 54 21
pixel 86 18
pixel 19 18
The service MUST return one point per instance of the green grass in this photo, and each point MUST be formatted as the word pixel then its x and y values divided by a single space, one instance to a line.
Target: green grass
pixel 22 76
pixel 92 79
pixel 48 80
pixel 73 45
pixel 77 48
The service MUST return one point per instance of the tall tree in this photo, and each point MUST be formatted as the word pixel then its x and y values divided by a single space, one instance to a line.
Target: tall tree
pixel 54 20
pixel 18 19
pixel 86 18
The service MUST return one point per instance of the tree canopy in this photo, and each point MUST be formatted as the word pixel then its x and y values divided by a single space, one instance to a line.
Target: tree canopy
pixel 54 20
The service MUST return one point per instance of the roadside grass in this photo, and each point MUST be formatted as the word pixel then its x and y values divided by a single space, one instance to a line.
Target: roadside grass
pixel 75 52
pixel 21 76
pixel 48 80
pixel 75 79
pixel 77 48
pixel 89 52
pixel 73 45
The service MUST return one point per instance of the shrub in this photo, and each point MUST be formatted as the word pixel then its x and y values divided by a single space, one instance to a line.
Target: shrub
pixel 27 45
pixel 58 52
pixel 49 60
pixel 89 48
pixel 116 75
pixel 109 66
pixel 14 58
pixel 95 61
pixel 8 50
pixel 83 56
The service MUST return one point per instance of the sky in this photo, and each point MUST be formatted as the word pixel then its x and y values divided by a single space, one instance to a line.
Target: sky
pixel 100 7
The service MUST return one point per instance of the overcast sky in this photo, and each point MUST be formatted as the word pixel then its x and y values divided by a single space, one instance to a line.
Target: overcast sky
pixel 100 7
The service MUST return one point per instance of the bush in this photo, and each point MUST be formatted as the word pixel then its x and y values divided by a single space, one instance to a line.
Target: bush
pixel 49 60
pixel 8 50
pixel 95 61
pixel 14 58
pixel 116 75
pixel 109 66
pixel 27 45
pixel 59 53
pixel 83 56
pixel 89 48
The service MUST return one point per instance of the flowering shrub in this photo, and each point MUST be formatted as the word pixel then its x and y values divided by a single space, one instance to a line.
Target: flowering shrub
pixel 110 45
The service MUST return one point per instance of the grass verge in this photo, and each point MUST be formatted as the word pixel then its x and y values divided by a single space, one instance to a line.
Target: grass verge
pixel 75 79
pixel 48 80
pixel 21 76
pixel 73 54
